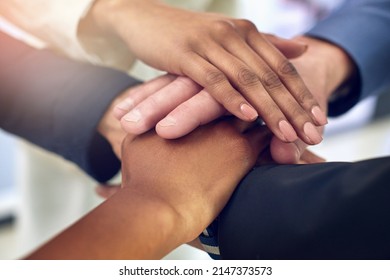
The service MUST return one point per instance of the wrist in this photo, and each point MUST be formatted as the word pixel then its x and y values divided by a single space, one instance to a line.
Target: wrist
pixel 338 66
pixel 164 228
pixel 108 16
pixel 176 222
pixel 101 14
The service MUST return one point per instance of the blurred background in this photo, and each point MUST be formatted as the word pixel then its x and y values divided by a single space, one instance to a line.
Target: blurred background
pixel 41 194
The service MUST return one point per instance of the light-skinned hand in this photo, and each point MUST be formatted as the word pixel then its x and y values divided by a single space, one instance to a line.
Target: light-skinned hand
pixel 237 65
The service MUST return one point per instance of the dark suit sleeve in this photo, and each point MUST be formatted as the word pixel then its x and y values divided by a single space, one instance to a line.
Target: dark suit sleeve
pixel 361 28
pixel 318 211
pixel 57 103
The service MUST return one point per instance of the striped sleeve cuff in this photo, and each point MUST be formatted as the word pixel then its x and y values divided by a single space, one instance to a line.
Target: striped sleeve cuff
pixel 209 240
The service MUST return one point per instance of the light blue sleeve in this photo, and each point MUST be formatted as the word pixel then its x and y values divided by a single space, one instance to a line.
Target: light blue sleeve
pixel 362 29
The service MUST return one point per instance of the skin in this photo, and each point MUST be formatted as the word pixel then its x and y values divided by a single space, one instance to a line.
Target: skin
pixel 323 77
pixel 191 106
pixel 149 202
pixel 110 128
pixel 237 65
pixel 166 199
pixel 164 203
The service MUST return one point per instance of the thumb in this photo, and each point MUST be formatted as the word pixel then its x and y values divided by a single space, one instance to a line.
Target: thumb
pixel 287 153
pixel 105 191
pixel 289 48
pixel 310 157
pixel 292 153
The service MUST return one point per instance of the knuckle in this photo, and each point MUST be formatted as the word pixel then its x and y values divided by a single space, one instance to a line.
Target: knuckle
pixel 185 82
pixel 286 68
pixel 152 101
pixel 223 27
pixel 247 77
pixel 271 80
pixel 303 96
pixel 194 42
pixel 183 110
pixel 245 24
pixel 230 99
pixel 137 91
pixel 128 103
pixel 214 77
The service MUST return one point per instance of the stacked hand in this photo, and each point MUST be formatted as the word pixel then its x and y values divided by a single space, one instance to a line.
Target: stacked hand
pixel 196 174
pixel 177 105
pixel 239 67
pixel 171 191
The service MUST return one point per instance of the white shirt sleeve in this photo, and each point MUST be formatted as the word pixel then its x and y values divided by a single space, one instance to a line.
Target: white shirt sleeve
pixel 59 25
pixel 121 58
pixel 54 22
pixel 116 54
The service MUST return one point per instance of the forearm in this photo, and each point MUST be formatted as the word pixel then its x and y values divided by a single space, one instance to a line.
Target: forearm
pixel 104 17
pixel 120 24
pixel 129 225
pixel 55 23
pixel 166 200
pixel 104 13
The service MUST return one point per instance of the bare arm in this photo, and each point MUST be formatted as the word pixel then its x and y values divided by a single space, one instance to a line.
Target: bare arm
pixel 166 199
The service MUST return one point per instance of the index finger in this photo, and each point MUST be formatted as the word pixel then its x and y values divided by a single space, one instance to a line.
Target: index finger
pixel 288 75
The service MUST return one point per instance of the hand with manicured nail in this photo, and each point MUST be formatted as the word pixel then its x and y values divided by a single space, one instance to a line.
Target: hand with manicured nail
pixel 314 65
pixel 171 191
pixel 178 105
pixel 237 65
pixel 322 76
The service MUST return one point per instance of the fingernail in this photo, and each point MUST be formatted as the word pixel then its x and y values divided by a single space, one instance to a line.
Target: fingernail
pixel 125 105
pixel 287 131
pixel 168 121
pixel 312 133
pixel 133 116
pixel 319 115
pixel 303 44
pixel 249 112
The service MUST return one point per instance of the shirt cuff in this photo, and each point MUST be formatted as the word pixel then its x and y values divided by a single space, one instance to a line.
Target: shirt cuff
pixel 362 32
pixel 209 240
